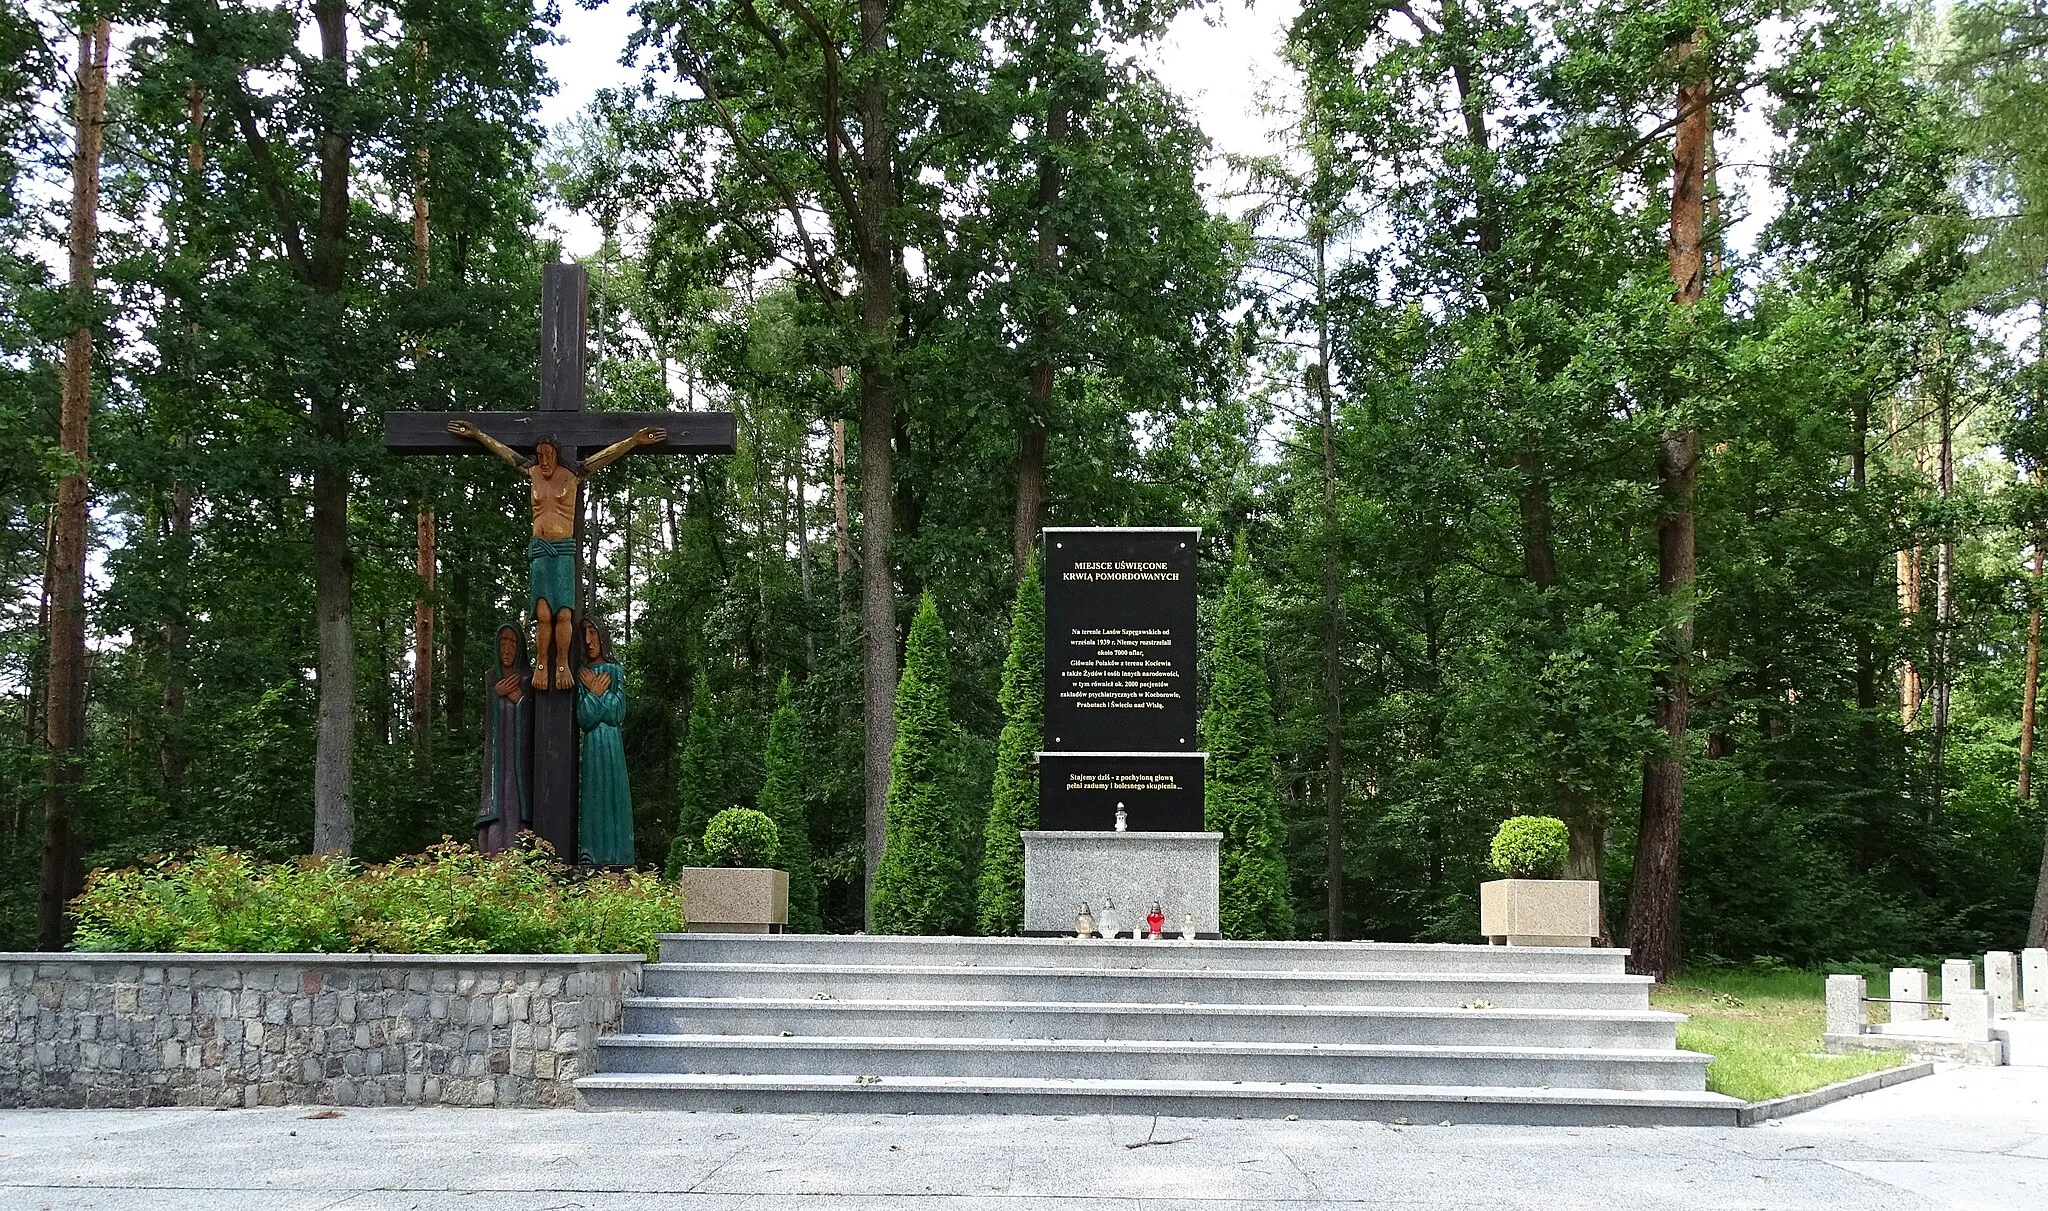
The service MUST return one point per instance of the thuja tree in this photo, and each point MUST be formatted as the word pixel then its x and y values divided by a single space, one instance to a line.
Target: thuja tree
pixel 921 885
pixel 782 800
pixel 1013 803
pixel 700 781
pixel 1237 730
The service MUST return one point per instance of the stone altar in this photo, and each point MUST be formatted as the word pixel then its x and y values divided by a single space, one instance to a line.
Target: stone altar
pixel 1179 870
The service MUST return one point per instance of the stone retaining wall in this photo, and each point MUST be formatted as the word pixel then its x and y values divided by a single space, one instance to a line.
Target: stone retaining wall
pixel 113 1030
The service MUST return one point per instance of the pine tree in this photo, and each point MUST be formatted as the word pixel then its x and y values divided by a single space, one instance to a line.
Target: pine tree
pixel 1013 802
pixel 1237 730
pixel 921 885
pixel 700 781
pixel 782 800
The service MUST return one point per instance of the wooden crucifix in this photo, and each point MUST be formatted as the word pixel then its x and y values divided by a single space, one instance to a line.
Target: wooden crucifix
pixel 555 449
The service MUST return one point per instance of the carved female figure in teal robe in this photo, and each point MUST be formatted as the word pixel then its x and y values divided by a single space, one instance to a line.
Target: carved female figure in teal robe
pixel 605 830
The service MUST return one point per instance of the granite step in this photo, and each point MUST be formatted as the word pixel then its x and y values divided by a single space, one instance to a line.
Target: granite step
pixel 871 1094
pixel 1096 953
pixel 1386 1024
pixel 881 982
pixel 1155 1060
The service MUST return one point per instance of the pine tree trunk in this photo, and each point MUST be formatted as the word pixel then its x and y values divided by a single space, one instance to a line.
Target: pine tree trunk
pixel 171 756
pixel 423 605
pixel 877 430
pixel 842 540
pixel 1653 924
pixel 333 566
pixel 64 701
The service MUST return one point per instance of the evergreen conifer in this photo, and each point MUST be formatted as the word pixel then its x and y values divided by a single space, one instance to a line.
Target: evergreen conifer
pixel 922 885
pixel 700 782
pixel 1237 730
pixel 782 800
pixel 1013 801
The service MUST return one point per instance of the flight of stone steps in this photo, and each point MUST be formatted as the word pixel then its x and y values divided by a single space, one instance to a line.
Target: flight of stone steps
pixel 807 1023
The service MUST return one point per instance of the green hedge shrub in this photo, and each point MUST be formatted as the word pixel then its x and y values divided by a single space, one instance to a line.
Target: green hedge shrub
pixel 1240 803
pixel 741 836
pixel 449 900
pixel 921 886
pixel 1531 847
pixel 782 800
pixel 1013 795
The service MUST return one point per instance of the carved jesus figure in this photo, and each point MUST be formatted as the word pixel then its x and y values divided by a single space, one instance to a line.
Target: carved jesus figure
pixel 552 550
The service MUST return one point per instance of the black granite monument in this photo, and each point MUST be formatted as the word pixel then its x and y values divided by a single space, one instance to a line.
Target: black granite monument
pixel 1120 681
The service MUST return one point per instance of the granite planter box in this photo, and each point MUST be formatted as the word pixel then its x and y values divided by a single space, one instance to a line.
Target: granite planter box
pixel 735 899
pixel 1540 912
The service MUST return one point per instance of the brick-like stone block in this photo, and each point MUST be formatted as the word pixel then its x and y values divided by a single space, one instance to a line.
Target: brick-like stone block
pixel 2034 980
pixel 2002 981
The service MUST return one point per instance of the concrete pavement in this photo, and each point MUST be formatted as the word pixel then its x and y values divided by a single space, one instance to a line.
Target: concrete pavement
pixel 1967 1138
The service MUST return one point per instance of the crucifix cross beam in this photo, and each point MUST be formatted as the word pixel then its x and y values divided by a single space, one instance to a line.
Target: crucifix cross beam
pixel 565 292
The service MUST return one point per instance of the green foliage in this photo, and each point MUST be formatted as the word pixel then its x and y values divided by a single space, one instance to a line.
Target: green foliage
pixel 782 801
pixel 449 900
pixel 741 836
pixel 1531 847
pixel 921 886
pixel 1013 799
pixel 1237 731
pixel 701 778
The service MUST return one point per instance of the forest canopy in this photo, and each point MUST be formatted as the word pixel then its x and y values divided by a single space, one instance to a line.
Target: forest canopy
pixel 1628 413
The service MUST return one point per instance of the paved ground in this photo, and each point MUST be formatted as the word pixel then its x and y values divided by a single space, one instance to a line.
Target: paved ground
pixel 1966 1138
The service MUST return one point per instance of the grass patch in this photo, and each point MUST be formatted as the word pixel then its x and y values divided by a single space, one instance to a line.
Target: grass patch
pixel 1763 1028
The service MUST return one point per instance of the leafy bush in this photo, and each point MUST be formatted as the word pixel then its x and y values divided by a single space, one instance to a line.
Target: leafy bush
pixel 449 900
pixel 742 836
pixel 1531 847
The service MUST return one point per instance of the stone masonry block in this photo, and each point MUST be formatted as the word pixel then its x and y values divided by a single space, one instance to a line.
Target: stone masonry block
pixel 2034 979
pixel 1957 976
pixel 2001 980
pixel 1969 1016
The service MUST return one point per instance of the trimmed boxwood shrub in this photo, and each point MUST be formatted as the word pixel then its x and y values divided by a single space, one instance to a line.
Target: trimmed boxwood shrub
pixel 741 836
pixel 449 900
pixel 1531 847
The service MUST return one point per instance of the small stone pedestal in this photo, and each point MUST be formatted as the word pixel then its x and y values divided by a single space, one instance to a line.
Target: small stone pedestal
pixel 1182 872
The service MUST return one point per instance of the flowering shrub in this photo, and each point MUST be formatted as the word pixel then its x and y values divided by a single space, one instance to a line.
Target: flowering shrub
pixel 449 900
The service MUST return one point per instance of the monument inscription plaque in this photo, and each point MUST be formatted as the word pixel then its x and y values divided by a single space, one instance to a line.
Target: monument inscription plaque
pixel 1159 792
pixel 1120 640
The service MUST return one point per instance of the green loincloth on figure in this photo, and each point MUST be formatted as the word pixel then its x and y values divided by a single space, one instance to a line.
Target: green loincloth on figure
pixel 554 573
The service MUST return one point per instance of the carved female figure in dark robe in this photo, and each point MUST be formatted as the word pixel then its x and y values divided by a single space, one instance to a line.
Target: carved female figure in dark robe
pixel 507 805
pixel 605 803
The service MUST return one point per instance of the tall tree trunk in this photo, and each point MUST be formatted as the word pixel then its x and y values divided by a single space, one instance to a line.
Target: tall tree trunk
pixel 2031 694
pixel 842 540
pixel 64 701
pixel 877 429
pixel 171 756
pixel 423 638
pixel 458 640
pixel 1944 587
pixel 1333 603
pixel 1653 899
pixel 334 743
pixel 423 604
pixel 1031 444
